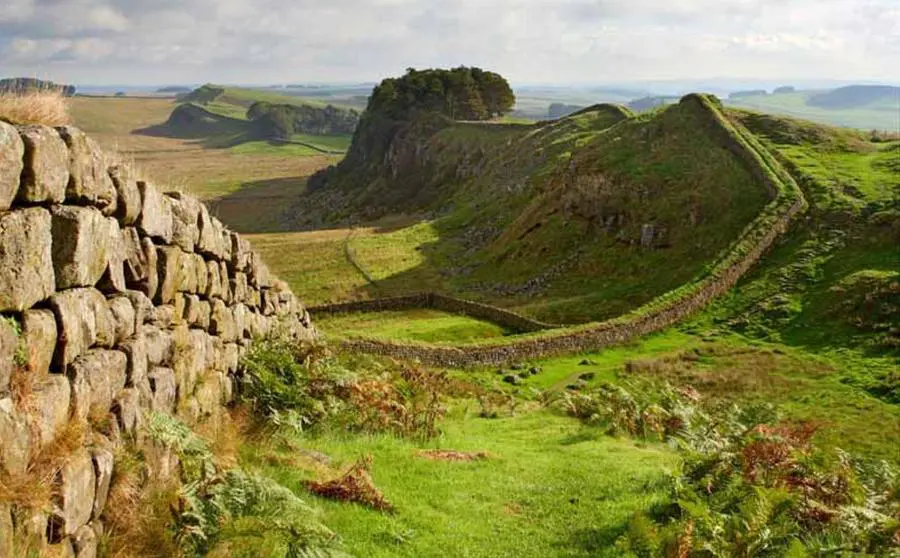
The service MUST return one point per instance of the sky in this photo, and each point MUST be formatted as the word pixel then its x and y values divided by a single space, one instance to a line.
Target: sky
pixel 528 41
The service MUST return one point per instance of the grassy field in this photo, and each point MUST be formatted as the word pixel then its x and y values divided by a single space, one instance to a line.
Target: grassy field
pixel 549 487
pixel 416 325
pixel 270 175
pixel 881 115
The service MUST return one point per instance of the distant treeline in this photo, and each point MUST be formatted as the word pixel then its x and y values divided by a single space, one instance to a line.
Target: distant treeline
pixel 281 121
pixel 22 85
pixel 461 94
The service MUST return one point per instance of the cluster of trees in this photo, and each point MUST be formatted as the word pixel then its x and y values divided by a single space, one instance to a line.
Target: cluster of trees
pixel 281 121
pixel 460 93
pixel 22 85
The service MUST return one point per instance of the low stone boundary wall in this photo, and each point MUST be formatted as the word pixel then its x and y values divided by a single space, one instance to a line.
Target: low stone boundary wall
pixel 115 300
pixel 663 311
pixel 493 314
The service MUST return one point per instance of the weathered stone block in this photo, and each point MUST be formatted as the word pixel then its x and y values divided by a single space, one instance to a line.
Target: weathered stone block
pixel 128 197
pixel 135 350
pixel 89 180
pixel 81 246
pixel 163 316
pixel 160 346
pixel 139 262
pixel 113 280
pixel 259 275
pixel 239 287
pixel 6 528
pixel 190 361
pixel 9 343
pixel 76 486
pixel 97 377
pixel 186 212
pixel 102 457
pixel 26 266
pixel 225 278
pixel 46 169
pixel 240 252
pixel 214 282
pixel 143 307
pixel 15 433
pixel 12 154
pixel 210 240
pixel 127 409
pixel 241 325
pixel 156 218
pixel 202 273
pixel 162 383
pixel 39 335
pixel 123 318
pixel 169 264
pixel 221 321
pixel 84 320
pixel 232 357
pixel 85 542
pixel 50 400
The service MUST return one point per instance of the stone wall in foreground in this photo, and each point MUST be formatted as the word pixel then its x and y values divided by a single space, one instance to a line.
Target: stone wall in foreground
pixel 116 299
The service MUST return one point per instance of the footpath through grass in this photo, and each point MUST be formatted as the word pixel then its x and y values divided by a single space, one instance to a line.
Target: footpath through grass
pixel 549 487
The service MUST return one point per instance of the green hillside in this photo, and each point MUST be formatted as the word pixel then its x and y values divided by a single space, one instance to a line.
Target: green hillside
pixel 567 221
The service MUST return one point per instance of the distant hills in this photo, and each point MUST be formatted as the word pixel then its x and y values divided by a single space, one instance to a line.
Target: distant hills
pixel 854 96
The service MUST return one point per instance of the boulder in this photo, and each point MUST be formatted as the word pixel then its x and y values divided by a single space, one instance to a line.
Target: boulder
pixel 162 384
pixel 39 335
pixel 81 246
pixel 15 432
pixel 9 345
pixel 97 378
pixel 84 320
pixel 123 318
pixel 186 212
pixel 89 181
pixel 12 153
pixel 26 266
pixel 50 398
pixel 156 218
pixel 128 197
pixel 75 489
pixel 45 174
pixel 102 457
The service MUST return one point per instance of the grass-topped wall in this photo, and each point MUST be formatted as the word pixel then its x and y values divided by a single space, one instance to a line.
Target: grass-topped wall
pixel 721 274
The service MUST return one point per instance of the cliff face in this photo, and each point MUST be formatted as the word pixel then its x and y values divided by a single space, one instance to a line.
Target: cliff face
pixel 116 300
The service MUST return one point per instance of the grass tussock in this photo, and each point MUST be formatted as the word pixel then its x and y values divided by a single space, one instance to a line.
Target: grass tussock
pixel 49 108
pixel 33 488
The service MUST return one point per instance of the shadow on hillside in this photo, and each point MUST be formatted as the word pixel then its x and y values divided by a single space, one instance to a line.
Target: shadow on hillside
pixel 259 206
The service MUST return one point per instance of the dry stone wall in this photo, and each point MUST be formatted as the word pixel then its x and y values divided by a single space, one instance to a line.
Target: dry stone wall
pixel 507 319
pixel 116 299
pixel 787 202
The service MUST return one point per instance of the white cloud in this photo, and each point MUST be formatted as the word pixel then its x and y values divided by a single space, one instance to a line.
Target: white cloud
pixel 527 40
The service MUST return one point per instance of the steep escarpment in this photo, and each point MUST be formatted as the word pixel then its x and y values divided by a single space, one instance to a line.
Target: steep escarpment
pixel 579 219
pixel 117 301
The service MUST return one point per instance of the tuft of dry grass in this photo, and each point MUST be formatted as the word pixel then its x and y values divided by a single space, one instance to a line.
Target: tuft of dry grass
pixel 38 107
pixel 355 485
pixel 34 487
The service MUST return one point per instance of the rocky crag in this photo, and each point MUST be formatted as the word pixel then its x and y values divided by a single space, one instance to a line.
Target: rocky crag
pixel 117 300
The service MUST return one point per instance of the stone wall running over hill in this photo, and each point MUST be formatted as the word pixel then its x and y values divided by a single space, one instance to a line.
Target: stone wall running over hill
pixel 670 308
pixel 115 299
pixel 509 320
